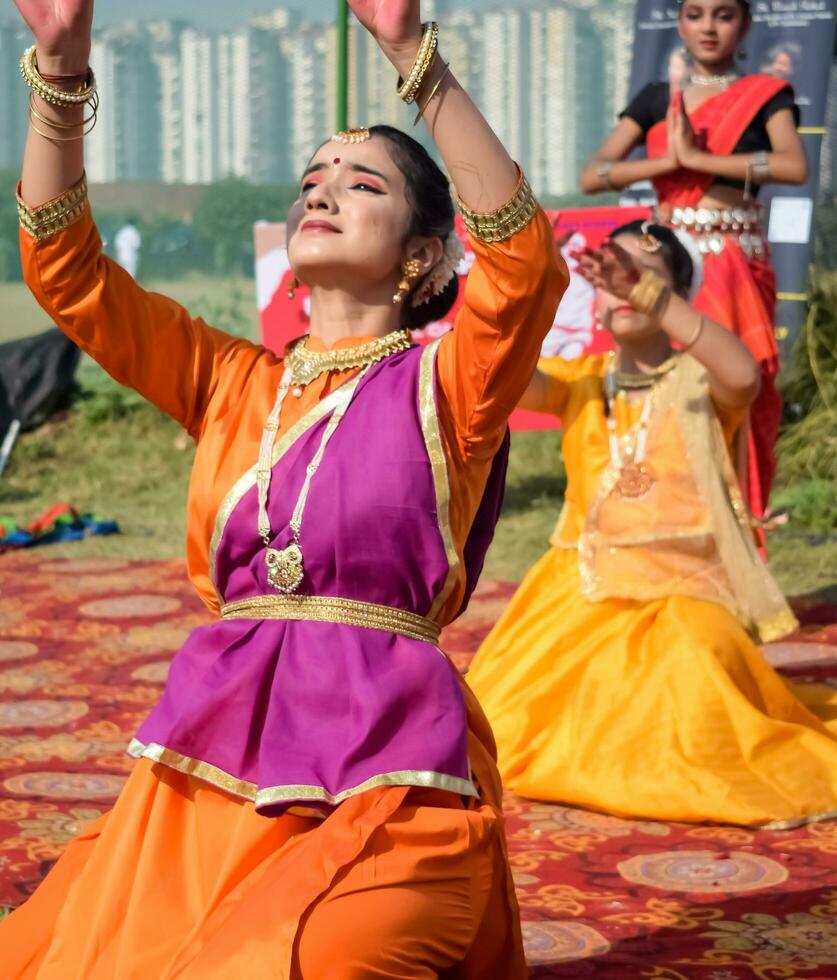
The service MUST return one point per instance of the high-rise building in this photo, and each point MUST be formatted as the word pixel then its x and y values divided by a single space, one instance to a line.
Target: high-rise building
pixel 125 145
pixel 182 105
pixel 552 100
pixel 13 105
pixel 165 38
pixel 200 97
pixel 310 53
pixel 253 101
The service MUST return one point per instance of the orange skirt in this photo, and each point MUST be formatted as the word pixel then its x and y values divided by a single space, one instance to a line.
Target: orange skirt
pixel 182 880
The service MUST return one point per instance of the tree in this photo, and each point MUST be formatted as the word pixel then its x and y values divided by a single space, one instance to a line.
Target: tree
pixel 10 270
pixel 225 217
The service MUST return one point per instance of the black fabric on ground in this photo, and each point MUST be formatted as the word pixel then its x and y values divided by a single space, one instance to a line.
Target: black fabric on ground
pixel 36 378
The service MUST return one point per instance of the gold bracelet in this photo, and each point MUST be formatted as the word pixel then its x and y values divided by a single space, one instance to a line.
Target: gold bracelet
pixel 696 335
pixel 505 222
pixel 434 91
pixel 54 94
pixel 56 215
pixel 407 90
pixel 603 173
pixel 649 294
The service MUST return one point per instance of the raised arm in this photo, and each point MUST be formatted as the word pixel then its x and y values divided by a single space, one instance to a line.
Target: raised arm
pixel 733 372
pixel 518 278
pixel 143 340
pixel 484 175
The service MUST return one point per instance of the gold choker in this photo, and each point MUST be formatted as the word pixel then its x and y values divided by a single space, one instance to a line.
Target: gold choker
pixel 307 365
pixel 629 380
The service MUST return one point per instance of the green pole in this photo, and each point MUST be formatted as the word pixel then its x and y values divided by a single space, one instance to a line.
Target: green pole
pixel 342 65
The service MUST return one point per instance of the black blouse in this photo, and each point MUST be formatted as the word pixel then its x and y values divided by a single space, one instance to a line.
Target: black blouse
pixel 650 106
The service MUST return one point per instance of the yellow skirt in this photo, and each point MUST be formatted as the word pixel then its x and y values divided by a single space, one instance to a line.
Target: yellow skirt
pixel 662 710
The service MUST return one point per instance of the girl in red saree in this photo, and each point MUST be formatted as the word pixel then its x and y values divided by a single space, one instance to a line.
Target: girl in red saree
pixel 710 146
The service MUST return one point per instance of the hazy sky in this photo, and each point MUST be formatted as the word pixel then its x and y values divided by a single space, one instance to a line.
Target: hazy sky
pixel 209 13
pixel 216 14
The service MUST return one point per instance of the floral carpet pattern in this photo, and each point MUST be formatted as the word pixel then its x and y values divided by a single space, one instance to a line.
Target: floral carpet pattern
pixel 84 650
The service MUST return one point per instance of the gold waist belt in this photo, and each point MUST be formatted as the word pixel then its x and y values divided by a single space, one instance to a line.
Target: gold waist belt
pixel 329 609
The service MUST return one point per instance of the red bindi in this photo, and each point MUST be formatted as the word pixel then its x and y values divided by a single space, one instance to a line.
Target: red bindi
pixel 336 161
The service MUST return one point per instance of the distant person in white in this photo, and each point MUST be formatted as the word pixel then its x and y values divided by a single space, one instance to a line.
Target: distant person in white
pixel 127 243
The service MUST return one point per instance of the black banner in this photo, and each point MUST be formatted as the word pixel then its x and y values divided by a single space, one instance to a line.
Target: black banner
pixel 792 39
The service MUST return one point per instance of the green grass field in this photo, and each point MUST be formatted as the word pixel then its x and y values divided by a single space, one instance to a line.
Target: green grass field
pixel 118 457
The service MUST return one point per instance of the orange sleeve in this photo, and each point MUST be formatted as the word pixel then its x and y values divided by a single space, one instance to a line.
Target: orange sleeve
pixel 486 363
pixel 142 339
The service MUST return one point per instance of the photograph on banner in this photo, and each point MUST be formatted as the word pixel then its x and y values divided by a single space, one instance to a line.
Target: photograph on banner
pixel 791 40
pixel 284 317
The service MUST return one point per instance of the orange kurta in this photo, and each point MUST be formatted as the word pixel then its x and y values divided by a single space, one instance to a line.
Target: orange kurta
pixel 180 879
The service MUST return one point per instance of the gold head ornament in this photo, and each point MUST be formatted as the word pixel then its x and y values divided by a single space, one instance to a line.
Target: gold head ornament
pixel 359 134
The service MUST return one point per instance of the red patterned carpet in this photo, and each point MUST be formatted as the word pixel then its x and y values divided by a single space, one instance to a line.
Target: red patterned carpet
pixel 84 650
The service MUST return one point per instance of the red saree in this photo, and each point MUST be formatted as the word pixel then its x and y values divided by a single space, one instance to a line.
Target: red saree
pixel 738 291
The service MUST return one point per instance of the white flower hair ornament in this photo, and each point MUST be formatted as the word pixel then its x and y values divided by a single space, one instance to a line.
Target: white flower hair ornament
pixel 441 274
pixel 692 248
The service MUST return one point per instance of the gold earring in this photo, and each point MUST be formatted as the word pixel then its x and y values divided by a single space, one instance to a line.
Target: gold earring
pixel 411 271
pixel 293 286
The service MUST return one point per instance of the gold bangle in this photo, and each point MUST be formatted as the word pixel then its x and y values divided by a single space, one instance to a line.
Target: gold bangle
pixel 505 222
pixel 55 215
pixel 434 91
pixel 407 90
pixel 54 94
pixel 696 335
pixel 62 126
pixel 649 294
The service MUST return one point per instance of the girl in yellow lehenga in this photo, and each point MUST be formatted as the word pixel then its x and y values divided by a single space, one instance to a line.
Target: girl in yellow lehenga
pixel 624 675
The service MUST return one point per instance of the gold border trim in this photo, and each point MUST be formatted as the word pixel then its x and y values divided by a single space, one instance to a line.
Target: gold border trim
pixel 439 465
pixel 208 773
pixel 507 221
pixel 193 767
pixel 337 399
pixel 54 216
pixel 798 822
pixel 334 609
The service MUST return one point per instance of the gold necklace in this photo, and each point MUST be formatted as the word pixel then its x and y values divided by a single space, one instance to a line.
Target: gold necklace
pixel 285 567
pixel 625 379
pixel 307 365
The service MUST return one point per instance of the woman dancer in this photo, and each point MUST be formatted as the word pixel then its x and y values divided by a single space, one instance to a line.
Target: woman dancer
pixel 622 676
pixel 316 794
pixel 709 148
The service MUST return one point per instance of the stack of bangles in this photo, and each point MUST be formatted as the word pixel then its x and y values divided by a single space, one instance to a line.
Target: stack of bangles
pixel 63 92
pixel 651 295
pixel 409 88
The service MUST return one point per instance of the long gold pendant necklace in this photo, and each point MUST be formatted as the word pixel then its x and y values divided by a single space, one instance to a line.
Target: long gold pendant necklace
pixel 627 453
pixel 286 566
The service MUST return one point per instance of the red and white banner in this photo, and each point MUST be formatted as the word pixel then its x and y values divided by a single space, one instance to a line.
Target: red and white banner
pixel 573 331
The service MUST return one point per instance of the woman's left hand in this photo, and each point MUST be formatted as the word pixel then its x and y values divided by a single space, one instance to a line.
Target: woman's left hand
pixel 612 269
pixel 395 25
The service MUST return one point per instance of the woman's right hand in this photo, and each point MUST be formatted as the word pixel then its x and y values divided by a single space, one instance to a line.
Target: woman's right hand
pixel 62 30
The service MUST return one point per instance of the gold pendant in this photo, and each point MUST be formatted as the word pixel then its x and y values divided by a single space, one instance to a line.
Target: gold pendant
pixel 284 568
pixel 634 481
